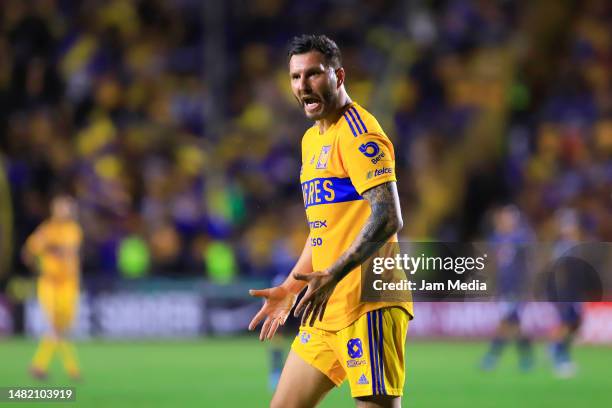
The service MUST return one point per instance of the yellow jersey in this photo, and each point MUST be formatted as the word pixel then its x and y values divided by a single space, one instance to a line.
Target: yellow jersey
pixel 56 245
pixel 352 156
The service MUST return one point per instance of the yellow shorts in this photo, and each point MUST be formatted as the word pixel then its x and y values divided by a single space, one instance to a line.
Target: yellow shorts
pixel 369 352
pixel 59 302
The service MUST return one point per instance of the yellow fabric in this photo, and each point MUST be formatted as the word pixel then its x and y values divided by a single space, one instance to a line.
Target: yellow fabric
pixel 68 356
pixel 44 353
pixel 369 353
pixel 56 245
pixel 59 302
pixel 352 156
pixel 47 348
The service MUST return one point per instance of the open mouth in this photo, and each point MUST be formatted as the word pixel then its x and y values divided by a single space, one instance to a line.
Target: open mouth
pixel 311 103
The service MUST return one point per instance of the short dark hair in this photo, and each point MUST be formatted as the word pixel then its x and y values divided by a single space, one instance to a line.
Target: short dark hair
pixel 321 43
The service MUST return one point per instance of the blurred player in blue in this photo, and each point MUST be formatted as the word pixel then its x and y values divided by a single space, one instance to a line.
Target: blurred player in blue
pixel 509 240
pixel 567 306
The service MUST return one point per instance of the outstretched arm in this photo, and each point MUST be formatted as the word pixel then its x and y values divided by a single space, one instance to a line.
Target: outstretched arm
pixel 384 221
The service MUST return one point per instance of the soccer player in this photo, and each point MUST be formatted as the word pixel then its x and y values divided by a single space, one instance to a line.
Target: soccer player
pixel 509 239
pixel 352 206
pixel 53 252
pixel 568 308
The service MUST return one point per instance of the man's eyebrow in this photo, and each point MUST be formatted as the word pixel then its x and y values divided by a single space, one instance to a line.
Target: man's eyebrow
pixel 311 68
pixel 317 68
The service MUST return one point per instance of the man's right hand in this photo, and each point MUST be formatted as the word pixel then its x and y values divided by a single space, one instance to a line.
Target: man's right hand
pixel 278 302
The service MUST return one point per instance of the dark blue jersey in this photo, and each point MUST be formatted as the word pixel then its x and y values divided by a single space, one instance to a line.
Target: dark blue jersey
pixel 511 261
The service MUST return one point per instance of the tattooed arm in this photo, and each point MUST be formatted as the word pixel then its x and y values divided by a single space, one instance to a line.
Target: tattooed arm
pixel 384 221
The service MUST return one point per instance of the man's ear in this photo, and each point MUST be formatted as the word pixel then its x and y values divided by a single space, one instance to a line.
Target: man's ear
pixel 339 77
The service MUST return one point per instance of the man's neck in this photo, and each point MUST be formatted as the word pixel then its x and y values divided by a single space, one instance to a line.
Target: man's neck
pixel 327 122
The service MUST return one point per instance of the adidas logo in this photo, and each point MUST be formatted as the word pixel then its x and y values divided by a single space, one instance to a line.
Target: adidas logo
pixel 363 380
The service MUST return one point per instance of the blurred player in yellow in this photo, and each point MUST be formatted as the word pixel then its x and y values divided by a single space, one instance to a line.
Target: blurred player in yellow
pixel 352 206
pixel 53 252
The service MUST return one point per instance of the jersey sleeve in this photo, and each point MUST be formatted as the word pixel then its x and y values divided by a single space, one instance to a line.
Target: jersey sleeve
pixel 36 242
pixel 369 160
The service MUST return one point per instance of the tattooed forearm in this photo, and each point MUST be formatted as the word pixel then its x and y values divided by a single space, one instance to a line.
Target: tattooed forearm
pixel 384 221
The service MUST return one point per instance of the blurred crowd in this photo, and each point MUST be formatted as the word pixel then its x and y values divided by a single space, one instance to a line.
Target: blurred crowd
pixel 183 151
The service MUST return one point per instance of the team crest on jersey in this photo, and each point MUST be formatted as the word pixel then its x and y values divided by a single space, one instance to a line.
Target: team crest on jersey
pixel 323 157
pixel 304 337
pixel 355 352
pixel 355 349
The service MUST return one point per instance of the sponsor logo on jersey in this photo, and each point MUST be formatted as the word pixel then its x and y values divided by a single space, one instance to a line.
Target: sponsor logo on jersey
pixel 372 149
pixel 317 224
pixel 363 380
pixel 377 158
pixel 355 363
pixel 323 157
pixel 378 172
pixel 369 149
pixel 384 170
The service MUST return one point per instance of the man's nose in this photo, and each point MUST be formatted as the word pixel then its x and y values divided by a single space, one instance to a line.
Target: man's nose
pixel 303 84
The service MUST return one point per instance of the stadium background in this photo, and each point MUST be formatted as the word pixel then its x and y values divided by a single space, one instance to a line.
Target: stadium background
pixel 173 125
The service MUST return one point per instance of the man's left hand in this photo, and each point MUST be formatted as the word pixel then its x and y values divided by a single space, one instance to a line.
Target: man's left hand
pixel 313 304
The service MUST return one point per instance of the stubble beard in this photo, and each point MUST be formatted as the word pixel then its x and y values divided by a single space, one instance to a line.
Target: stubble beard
pixel 328 100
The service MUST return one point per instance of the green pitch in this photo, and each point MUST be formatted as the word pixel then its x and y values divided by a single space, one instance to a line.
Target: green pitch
pixel 233 372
